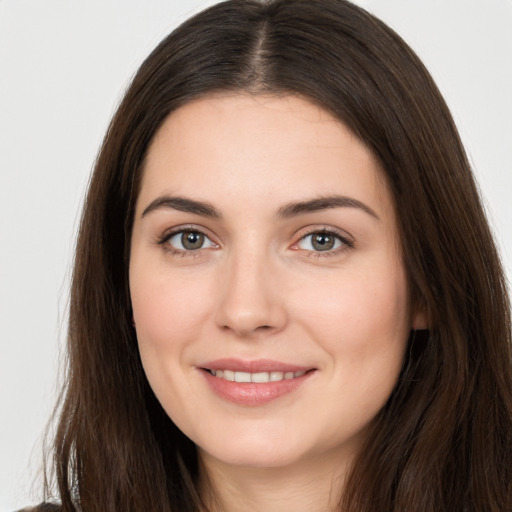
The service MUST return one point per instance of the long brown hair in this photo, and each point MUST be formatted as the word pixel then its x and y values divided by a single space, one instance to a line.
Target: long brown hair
pixel 443 442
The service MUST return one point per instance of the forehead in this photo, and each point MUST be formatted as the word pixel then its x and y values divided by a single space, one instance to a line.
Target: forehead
pixel 253 147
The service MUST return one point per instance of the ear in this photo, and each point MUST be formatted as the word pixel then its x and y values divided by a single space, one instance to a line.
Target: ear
pixel 420 320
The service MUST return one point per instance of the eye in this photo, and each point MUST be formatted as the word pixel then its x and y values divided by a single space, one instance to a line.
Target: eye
pixel 322 241
pixel 189 240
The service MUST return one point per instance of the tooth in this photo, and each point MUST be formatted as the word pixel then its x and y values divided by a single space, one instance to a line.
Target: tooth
pixel 275 376
pixel 242 377
pixel 260 377
pixel 228 375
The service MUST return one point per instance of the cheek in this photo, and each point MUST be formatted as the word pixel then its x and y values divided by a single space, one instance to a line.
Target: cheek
pixel 169 314
pixel 362 325
pixel 361 318
pixel 359 298
pixel 167 308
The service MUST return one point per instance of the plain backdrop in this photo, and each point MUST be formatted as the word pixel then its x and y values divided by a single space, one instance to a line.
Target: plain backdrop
pixel 63 67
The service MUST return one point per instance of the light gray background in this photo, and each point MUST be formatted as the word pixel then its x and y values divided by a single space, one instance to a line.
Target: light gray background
pixel 63 67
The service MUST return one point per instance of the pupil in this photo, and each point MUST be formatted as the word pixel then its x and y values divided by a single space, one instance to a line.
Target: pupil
pixel 192 240
pixel 323 242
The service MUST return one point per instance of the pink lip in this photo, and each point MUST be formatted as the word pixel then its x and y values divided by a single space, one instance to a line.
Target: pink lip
pixel 249 393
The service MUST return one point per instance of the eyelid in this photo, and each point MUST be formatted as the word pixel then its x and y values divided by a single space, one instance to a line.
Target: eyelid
pixel 346 240
pixel 176 230
pixel 180 235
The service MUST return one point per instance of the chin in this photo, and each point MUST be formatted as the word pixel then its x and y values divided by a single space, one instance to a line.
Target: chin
pixel 255 459
pixel 261 453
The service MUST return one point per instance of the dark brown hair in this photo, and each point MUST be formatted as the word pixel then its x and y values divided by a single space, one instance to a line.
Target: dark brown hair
pixel 443 440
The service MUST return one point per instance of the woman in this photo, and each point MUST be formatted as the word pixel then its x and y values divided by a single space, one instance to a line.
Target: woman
pixel 285 293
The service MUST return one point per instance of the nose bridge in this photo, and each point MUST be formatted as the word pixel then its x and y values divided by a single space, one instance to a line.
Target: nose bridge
pixel 249 300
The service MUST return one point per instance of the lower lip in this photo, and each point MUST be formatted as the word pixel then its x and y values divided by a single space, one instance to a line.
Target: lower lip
pixel 250 393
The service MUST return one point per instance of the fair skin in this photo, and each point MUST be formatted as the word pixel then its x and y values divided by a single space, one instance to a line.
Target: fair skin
pixel 247 271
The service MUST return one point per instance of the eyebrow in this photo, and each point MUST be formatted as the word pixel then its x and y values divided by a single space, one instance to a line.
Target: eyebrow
pixel 323 203
pixel 182 204
pixel 289 210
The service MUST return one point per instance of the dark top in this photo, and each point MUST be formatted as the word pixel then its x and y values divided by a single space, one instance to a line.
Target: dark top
pixel 43 507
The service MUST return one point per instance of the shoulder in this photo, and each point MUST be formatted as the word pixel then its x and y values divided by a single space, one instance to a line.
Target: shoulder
pixel 43 507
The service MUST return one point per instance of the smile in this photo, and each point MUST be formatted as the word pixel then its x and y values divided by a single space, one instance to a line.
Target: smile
pixel 258 377
pixel 254 383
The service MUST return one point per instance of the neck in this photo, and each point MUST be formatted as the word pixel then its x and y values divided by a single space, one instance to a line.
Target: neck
pixel 307 486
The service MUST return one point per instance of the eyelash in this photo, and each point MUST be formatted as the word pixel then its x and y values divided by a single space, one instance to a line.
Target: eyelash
pixel 346 243
pixel 164 239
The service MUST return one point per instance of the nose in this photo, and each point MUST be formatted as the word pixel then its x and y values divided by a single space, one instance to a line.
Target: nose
pixel 250 301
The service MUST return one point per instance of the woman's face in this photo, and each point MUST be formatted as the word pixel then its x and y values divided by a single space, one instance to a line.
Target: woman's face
pixel 268 289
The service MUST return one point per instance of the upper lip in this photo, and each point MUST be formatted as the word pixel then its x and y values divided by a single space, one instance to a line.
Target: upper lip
pixel 253 366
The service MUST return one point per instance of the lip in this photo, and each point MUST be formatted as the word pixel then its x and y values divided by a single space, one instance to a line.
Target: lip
pixel 249 393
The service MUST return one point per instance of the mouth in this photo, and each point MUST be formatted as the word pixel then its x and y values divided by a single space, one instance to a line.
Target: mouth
pixel 253 383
